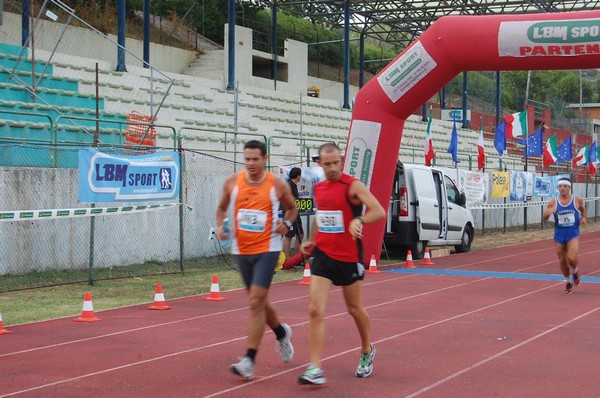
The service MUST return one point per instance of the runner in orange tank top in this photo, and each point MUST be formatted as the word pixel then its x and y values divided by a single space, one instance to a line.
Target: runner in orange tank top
pixel 253 196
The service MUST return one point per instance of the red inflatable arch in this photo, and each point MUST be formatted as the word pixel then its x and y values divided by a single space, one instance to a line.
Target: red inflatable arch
pixel 454 44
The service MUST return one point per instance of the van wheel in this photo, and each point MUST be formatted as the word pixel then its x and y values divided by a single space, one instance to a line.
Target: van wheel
pixel 418 249
pixel 465 242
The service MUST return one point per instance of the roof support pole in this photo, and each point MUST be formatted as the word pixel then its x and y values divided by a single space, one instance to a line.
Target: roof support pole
pixel 346 55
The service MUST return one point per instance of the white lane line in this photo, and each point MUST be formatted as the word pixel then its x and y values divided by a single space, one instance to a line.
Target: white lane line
pixel 417 329
pixel 498 355
pixel 240 338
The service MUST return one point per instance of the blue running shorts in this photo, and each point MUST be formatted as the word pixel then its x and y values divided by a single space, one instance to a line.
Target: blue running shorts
pixel 563 235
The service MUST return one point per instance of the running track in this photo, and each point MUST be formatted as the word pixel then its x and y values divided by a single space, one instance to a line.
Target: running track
pixel 453 330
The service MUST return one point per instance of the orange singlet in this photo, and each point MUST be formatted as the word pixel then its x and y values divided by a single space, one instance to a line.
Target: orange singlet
pixel 255 216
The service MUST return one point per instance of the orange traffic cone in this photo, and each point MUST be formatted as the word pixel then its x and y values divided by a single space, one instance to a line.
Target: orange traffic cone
pixel 215 292
pixel 373 266
pixel 306 277
pixel 409 260
pixel 427 258
pixel 2 330
pixel 159 299
pixel 87 314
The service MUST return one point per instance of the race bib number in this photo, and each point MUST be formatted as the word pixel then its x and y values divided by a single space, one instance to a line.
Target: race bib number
pixel 330 221
pixel 566 220
pixel 251 220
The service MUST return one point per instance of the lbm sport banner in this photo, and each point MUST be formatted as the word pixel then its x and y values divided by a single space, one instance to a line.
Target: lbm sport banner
pixel 110 178
pixel 452 45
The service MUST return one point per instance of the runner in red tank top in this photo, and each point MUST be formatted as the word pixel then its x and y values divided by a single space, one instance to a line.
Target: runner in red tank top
pixel 254 196
pixel 335 240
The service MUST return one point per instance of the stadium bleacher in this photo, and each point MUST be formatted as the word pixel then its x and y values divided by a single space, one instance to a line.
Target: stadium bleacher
pixel 201 107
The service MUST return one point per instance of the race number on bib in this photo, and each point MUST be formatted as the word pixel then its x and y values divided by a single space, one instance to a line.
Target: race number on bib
pixel 330 221
pixel 566 220
pixel 251 220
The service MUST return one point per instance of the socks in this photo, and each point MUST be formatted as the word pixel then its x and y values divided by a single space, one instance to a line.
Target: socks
pixel 251 353
pixel 279 332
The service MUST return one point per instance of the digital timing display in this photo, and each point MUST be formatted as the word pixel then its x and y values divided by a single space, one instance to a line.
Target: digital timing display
pixel 305 205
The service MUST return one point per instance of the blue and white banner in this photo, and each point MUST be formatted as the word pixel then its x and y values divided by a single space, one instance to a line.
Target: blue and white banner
pixel 109 178
pixel 542 186
pixel 521 186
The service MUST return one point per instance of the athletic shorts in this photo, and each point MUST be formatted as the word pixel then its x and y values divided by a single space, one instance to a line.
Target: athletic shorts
pixel 563 235
pixel 257 269
pixel 296 230
pixel 339 272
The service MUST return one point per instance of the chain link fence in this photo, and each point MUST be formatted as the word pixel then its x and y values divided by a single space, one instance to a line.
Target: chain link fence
pixel 50 238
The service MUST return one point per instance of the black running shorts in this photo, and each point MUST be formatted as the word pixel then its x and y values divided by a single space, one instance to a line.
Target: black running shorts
pixel 257 269
pixel 340 273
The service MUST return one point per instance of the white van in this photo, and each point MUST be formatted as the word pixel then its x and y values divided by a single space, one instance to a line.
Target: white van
pixel 427 209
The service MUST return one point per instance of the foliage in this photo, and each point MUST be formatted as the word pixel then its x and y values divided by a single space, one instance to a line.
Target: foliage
pixel 209 16
pixel 554 88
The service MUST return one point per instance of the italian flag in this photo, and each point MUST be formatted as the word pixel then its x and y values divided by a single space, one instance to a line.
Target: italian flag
pixel 516 125
pixel 582 157
pixel 593 158
pixel 550 152
pixel 480 148
pixel 429 152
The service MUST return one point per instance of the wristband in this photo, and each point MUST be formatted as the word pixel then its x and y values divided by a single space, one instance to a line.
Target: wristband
pixel 289 224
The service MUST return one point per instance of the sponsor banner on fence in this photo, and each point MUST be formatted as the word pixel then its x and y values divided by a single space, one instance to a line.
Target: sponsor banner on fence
pixel 500 184
pixel 542 186
pixel 110 178
pixel 521 186
pixel 473 184
pixel 476 187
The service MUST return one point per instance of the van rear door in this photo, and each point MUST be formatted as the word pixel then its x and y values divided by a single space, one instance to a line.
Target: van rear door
pixel 429 206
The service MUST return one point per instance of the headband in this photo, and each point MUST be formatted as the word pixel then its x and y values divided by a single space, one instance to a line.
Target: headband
pixel 564 182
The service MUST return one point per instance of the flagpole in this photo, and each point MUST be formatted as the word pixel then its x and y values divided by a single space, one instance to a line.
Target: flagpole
pixel 542 206
pixel 483 171
pixel 525 199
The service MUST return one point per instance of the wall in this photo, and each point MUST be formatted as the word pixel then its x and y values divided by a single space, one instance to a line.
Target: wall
pixel 119 240
pixel 90 44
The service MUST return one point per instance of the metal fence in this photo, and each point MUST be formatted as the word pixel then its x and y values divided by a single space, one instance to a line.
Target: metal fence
pixel 51 238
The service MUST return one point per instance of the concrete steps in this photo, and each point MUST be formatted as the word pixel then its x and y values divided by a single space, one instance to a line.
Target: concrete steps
pixel 208 65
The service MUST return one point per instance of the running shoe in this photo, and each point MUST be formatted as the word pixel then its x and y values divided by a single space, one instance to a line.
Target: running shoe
pixel 568 288
pixel 365 367
pixel 284 345
pixel 576 279
pixel 313 375
pixel 244 368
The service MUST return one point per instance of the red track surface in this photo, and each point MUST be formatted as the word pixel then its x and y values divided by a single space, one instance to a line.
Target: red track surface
pixel 436 336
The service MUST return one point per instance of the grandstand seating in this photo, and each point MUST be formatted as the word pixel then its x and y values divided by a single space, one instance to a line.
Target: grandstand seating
pixel 56 111
pixel 200 108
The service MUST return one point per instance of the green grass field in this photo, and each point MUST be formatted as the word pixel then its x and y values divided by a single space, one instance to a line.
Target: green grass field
pixel 22 306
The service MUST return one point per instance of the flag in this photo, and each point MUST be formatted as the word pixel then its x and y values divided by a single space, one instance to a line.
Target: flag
pixel 500 138
pixel 512 126
pixel 581 159
pixel 480 148
pixel 597 161
pixel 593 158
pixel 429 152
pixel 550 152
pixel 453 148
pixel 533 144
pixel 565 151
pixel 516 125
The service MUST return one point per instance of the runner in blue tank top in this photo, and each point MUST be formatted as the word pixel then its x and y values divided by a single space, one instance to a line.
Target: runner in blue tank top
pixel 569 213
